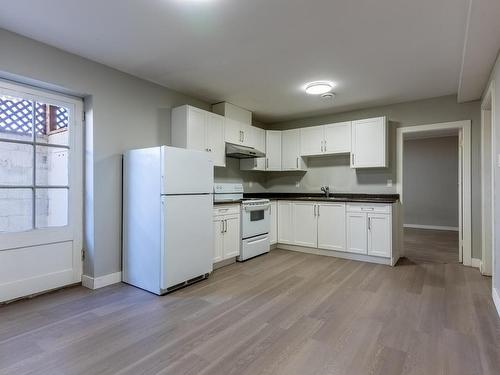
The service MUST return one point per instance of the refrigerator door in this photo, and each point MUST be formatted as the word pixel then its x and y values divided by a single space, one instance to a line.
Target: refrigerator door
pixel 186 171
pixel 187 238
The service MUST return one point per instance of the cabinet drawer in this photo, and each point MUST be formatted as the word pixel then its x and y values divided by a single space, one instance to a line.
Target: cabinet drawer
pixel 226 209
pixel 373 207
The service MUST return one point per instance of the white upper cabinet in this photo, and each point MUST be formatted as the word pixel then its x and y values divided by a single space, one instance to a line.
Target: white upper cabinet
pixel 273 150
pixel 326 139
pixel 369 143
pixel 196 129
pixel 311 140
pixel 258 137
pixel 238 133
pixel 338 138
pixel 290 151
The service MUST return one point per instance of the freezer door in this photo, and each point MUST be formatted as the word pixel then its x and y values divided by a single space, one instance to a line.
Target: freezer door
pixel 187 238
pixel 186 171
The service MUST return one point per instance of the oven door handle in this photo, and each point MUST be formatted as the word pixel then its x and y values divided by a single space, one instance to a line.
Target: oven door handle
pixel 267 206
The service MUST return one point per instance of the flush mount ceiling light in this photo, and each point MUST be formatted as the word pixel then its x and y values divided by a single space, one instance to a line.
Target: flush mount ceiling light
pixel 319 87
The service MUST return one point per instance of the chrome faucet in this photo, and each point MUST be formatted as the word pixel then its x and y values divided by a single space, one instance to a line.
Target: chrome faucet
pixel 326 190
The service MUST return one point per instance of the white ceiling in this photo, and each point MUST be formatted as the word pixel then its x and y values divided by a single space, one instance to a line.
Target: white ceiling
pixel 258 53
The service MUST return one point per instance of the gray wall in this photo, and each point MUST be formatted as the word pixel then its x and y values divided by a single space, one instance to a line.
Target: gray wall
pixel 123 112
pixel 336 172
pixel 430 168
pixel 495 77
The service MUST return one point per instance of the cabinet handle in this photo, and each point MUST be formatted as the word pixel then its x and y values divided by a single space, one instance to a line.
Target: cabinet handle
pixel 325 145
pixel 369 223
pixel 222 226
pixel 314 210
pixel 352 159
pixel 297 162
pixel 225 226
pixel 318 210
pixel 267 163
pixel 243 136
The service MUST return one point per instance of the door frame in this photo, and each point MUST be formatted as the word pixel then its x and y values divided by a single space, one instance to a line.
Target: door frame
pixel 465 224
pixel 52 236
pixel 487 255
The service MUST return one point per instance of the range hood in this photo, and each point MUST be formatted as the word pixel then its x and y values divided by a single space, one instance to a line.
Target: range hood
pixel 242 152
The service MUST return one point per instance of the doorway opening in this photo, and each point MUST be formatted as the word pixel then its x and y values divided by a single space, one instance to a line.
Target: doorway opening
pixel 487 183
pixel 434 183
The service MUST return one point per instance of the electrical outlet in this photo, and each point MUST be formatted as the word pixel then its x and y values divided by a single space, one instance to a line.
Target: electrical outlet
pixel 389 183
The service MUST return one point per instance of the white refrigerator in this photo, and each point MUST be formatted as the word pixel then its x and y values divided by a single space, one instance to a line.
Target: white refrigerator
pixel 167 218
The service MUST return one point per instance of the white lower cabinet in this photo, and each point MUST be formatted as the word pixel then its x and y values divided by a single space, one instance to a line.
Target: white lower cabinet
pixel 273 218
pixel 305 224
pixel 227 236
pixel 356 232
pixel 379 235
pixel 285 222
pixel 361 229
pixel 369 230
pixel 331 226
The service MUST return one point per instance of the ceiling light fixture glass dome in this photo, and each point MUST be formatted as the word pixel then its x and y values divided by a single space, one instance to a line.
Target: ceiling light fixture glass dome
pixel 319 87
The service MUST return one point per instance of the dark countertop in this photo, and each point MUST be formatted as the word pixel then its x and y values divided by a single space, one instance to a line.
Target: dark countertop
pixel 335 197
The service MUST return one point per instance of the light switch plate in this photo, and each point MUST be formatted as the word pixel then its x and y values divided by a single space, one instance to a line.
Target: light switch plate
pixel 297 184
pixel 389 183
pixel 250 184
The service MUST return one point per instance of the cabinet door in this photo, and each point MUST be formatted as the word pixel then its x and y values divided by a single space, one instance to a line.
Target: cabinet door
pixel 273 218
pixel 338 138
pixel 196 129
pixel 273 150
pixel 369 143
pixel 285 222
pixel 232 131
pixel 331 226
pixel 311 140
pixel 232 237
pixel 290 151
pixel 215 139
pixel 247 135
pixel 379 235
pixel 305 227
pixel 258 138
pixel 218 239
pixel 356 233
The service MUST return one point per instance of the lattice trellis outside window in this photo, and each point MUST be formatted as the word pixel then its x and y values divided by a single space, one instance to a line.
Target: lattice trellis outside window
pixel 16 116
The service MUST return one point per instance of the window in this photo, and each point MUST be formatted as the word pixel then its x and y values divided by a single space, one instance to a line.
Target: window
pixel 34 160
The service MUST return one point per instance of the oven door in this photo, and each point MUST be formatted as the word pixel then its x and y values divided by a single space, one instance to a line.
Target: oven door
pixel 255 220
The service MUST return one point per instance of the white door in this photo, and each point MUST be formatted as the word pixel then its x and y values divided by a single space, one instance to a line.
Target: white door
pixel 290 150
pixel 273 218
pixel 369 143
pixel 196 129
pixel 40 191
pixel 338 138
pixel 285 220
pixel 215 139
pixel 305 227
pixel 258 138
pixel 218 239
pixel 379 235
pixel 232 237
pixel 356 233
pixel 331 226
pixel 273 150
pixel 312 140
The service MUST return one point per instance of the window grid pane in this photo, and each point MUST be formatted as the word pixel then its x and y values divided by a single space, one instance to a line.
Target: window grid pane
pixel 26 206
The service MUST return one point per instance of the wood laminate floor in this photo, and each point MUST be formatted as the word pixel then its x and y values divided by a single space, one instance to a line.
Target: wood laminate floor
pixel 431 246
pixel 281 313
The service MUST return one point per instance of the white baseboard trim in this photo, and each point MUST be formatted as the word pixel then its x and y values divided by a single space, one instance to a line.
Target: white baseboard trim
pixel 496 299
pixel 476 263
pixel 433 227
pixel 101 281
